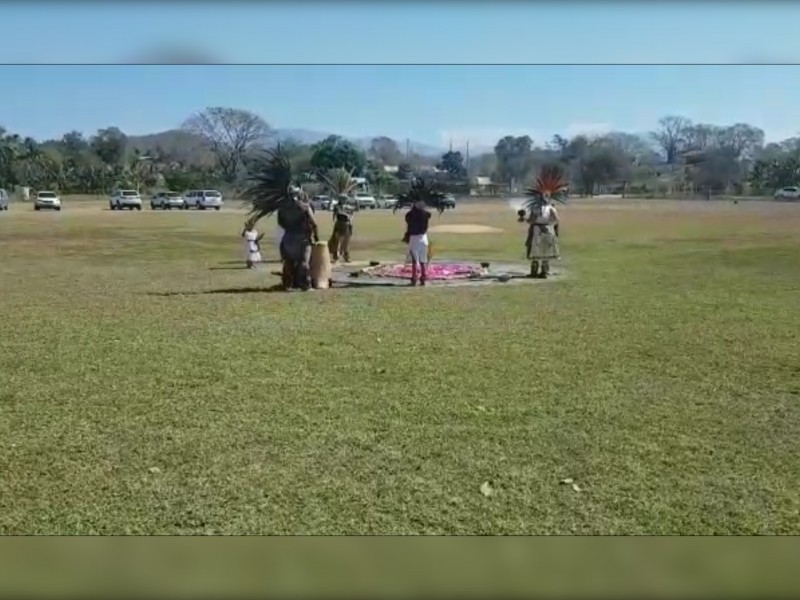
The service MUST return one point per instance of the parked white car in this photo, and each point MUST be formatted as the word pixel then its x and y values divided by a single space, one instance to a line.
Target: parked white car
pixel 129 199
pixel 321 202
pixel 3 199
pixel 791 192
pixel 365 200
pixel 203 199
pixel 47 201
pixel 167 201
pixel 387 201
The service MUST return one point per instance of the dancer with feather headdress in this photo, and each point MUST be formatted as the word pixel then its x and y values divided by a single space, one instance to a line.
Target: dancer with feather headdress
pixel 541 244
pixel 271 191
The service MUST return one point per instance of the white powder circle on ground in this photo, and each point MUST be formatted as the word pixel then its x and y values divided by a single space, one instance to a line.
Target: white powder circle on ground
pixel 464 229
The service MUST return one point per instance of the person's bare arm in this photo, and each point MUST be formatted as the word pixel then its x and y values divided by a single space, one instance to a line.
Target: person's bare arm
pixel 554 220
pixel 312 223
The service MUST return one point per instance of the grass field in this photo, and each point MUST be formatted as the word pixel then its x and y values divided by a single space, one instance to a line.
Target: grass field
pixel 151 385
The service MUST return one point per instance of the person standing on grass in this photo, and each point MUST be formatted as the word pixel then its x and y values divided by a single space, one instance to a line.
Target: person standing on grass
pixel 339 244
pixel 541 244
pixel 252 244
pixel 416 236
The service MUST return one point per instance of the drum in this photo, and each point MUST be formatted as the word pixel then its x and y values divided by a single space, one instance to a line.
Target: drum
pixel 321 270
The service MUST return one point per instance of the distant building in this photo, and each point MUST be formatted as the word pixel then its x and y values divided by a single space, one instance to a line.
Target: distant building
pixel 484 186
pixel 361 184
pixel 429 169
pixel 391 169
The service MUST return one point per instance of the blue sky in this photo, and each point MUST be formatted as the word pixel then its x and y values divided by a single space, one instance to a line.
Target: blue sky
pixel 428 104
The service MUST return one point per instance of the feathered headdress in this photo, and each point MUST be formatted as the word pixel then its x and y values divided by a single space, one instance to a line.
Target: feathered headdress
pixel 270 183
pixel 550 184
pixel 422 189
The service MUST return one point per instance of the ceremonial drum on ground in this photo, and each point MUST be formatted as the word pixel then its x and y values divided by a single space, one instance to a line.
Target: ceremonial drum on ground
pixel 321 270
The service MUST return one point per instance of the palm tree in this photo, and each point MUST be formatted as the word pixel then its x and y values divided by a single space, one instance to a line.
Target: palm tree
pixel 383 180
pixel 269 183
pixel 425 190
pixel 338 182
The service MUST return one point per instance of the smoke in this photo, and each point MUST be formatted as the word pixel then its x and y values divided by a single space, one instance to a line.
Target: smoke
pixel 516 204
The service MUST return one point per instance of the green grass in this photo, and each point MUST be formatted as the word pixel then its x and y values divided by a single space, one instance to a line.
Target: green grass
pixel 662 375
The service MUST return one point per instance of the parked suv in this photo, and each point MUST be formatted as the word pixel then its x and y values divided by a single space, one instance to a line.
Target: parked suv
pixel 788 193
pixel 47 200
pixel 386 201
pixel 365 200
pixel 321 202
pixel 167 201
pixel 129 199
pixel 203 199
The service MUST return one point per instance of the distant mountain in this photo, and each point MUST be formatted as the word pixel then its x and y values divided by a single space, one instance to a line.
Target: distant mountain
pixel 302 136
pixel 187 147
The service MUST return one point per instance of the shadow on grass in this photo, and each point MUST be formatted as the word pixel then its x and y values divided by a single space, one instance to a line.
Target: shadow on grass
pixel 244 290
pixel 270 261
pixel 273 289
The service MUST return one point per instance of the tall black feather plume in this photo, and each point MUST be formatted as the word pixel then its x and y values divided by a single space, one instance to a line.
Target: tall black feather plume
pixel 425 190
pixel 269 183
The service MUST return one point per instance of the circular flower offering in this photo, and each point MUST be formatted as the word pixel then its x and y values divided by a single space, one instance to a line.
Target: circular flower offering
pixel 440 271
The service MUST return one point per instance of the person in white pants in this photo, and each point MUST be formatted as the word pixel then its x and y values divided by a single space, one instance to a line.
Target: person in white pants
pixel 417 219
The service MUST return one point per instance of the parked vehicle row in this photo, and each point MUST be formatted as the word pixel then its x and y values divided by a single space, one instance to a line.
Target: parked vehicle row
pixel 360 201
pixel 212 199
pixel 199 199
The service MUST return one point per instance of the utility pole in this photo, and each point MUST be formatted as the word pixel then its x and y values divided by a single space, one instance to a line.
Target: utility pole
pixel 467 157
pixel 408 149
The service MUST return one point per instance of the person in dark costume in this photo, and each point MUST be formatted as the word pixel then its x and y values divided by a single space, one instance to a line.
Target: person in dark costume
pixel 270 191
pixel 297 221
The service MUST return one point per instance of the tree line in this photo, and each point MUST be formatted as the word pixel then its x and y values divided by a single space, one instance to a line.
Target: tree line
pixel 678 156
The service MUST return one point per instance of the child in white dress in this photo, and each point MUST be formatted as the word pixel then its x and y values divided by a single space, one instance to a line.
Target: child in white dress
pixel 252 244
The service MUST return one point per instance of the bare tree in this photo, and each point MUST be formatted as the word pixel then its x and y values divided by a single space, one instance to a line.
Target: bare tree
pixel 741 140
pixel 231 133
pixel 671 136
pixel 700 137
